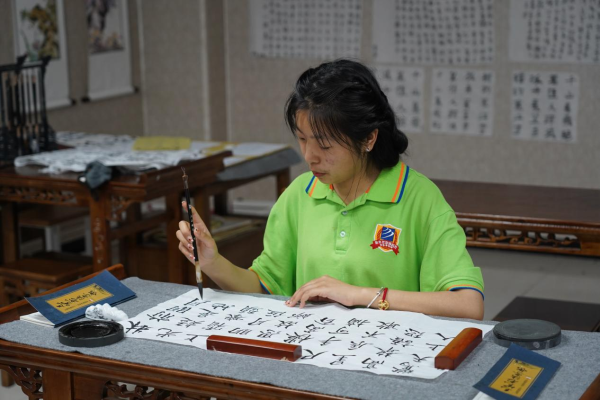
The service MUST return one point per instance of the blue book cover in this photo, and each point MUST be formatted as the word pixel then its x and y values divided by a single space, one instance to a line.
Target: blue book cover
pixel 519 374
pixel 70 303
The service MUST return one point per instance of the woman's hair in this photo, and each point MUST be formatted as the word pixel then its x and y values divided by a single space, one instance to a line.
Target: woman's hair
pixel 345 103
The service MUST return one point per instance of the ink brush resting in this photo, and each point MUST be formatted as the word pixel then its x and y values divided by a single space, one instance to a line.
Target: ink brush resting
pixel 191 220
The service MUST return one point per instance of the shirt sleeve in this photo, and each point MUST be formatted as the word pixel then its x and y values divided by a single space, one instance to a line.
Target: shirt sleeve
pixel 446 264
pixel 276 265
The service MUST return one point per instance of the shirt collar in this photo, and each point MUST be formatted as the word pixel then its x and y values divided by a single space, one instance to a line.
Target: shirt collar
pixel 317 189
pixel 389 187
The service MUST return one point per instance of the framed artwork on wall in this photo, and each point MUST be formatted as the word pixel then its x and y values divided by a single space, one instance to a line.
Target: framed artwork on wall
pixel 39 31
pixel 109 50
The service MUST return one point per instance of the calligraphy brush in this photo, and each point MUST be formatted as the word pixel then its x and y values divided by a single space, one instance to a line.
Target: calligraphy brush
pixel 3 128
pixel 9 117
pixel 36 124
pixel 17 114
pixel 24 130
pixel 43 119
pixel 33 143
pixel 191 219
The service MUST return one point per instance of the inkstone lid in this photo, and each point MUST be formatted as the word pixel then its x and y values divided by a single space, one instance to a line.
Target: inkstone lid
pixel 91 333
pixel 533 334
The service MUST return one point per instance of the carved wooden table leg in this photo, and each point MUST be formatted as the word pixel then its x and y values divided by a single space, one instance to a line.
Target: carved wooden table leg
pixel 10 232
pixel 134 214
pixel 10 253
pixel 85 387
pixel 141 392
pixel 29 379
pixel 57 385
pixel 100 232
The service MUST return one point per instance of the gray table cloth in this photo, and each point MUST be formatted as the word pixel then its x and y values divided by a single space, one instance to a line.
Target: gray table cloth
pixel 579 354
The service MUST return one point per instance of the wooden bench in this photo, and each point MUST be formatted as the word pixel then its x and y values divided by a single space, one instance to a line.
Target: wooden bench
pixel 528 218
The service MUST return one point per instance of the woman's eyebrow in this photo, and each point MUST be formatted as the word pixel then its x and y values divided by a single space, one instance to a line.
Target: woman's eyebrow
pixel 313 136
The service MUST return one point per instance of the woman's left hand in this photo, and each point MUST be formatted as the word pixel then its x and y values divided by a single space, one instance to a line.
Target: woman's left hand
pixel 324 288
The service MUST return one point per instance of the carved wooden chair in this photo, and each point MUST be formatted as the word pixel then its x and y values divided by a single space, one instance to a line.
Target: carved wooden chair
pixel 29 276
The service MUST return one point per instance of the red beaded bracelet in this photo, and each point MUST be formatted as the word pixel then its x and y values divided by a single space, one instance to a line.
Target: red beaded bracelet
pixel 383 303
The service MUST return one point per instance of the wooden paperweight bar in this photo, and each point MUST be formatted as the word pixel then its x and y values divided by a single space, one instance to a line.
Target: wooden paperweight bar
pixel 257 348
pixel 458 349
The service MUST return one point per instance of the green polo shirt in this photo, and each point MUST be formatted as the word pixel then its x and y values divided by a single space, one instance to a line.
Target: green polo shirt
pixel 401 234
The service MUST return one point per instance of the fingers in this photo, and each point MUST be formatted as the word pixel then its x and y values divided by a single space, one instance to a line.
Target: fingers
pixel 309 289
pixel 205 239
pixel 189 254
pixel 198 223
pixel 184 228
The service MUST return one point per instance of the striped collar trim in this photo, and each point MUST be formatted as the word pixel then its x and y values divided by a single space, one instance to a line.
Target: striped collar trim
pixel 390 185
pixel 310 189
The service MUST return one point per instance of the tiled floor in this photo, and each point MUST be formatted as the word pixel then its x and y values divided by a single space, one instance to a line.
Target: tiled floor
pixel 508 274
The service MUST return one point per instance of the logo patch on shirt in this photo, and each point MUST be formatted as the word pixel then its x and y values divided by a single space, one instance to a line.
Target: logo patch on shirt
pixel 386 238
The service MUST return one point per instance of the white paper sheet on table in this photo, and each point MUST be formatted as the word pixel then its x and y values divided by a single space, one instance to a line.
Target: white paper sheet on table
pixel 76 160
pixel 331 336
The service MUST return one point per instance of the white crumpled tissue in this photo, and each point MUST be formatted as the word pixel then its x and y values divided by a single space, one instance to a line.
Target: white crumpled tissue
pixel 105 312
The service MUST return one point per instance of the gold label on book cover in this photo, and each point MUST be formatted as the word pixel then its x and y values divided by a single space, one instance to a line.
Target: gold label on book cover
pixel 516 378
pixel 86 296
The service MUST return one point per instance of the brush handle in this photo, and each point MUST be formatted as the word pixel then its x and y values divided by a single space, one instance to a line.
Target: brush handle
pixel 191 219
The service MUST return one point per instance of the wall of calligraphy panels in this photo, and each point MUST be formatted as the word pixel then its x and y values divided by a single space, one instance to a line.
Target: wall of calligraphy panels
pixel 305 28
pixel 555 31
pixel 331 336
pixel 433 32
pixel 555 38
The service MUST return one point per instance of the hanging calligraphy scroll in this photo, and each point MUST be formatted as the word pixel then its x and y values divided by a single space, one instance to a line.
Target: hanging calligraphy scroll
pixel 544 106
pixel 403 87
pixel 433 32
pixel 555 30
pixel 305 28
pixel 462 102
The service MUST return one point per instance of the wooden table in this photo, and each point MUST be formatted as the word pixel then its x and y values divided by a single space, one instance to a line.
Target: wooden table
pixel 51 374
pixel 118 201
pixel 55 375
pixel 529 218
pixel 569 315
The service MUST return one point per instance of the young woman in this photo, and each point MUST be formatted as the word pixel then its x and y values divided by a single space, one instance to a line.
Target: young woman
pixel 361 228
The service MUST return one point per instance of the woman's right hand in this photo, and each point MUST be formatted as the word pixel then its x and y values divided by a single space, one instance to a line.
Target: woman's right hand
pixel 205 244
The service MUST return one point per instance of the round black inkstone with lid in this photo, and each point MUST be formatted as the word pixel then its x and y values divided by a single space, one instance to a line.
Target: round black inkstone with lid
pixel 533 334
pixel 91 333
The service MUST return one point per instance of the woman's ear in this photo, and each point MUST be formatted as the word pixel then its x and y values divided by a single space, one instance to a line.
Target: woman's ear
pixel 371 139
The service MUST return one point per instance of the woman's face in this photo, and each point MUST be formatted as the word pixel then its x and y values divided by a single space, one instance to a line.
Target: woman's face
pixel 332 164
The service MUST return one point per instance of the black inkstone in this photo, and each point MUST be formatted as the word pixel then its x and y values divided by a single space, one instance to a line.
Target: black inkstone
pixel 91 333
pixel 533 334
